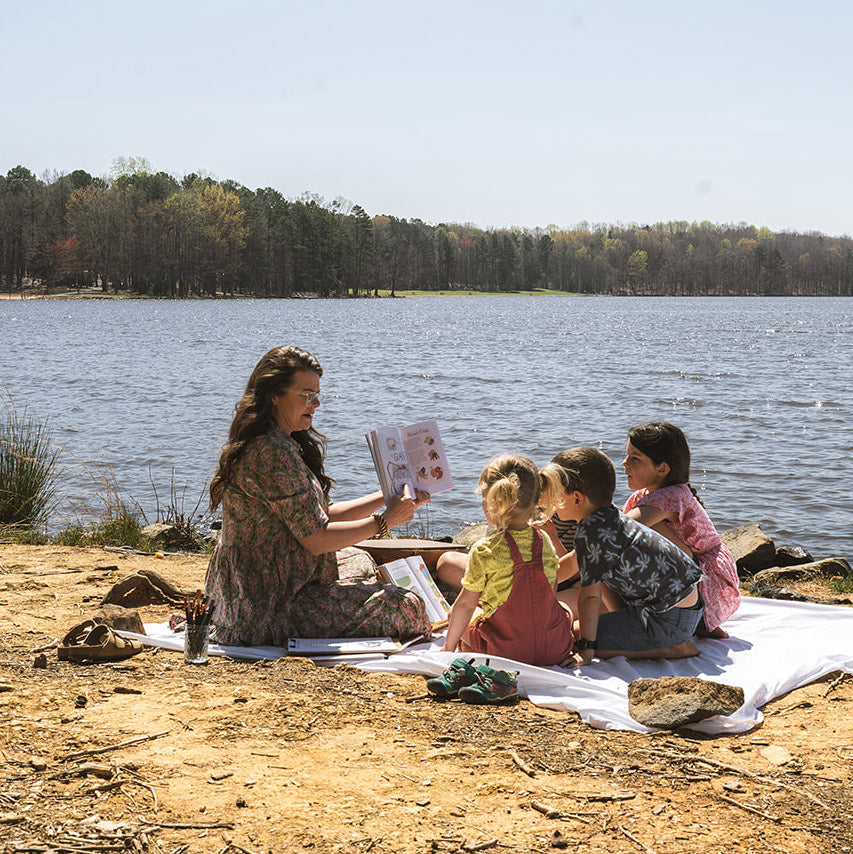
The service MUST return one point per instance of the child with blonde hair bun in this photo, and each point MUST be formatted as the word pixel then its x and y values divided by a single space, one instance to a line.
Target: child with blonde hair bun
pixel 511 574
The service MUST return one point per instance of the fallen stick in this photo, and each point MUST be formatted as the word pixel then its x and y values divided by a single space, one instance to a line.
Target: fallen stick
pixel 671 754
pixel 545 809
pixel 198 825
pixel 52 645
pixel 479 846
pixel 95 750
pixel 835 683
pixel 635 840
pixel 748 808
pixel 522 764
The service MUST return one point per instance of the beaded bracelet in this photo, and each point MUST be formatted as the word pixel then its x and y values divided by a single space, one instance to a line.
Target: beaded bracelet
pixel 383 525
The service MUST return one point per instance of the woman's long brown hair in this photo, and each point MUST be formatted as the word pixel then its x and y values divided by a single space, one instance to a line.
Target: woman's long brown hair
pixel 254 416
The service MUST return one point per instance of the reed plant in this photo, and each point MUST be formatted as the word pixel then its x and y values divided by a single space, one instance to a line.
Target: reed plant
pixel 28 470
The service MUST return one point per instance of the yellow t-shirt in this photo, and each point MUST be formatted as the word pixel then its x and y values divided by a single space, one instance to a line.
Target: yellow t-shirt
pixel 490 572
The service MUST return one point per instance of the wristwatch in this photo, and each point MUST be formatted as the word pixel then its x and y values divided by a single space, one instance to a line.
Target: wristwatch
pixel 582 645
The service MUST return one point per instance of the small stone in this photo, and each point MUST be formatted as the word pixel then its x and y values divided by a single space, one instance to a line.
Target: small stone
pixel 40 661
pixel 80 701
pixel 558 840
pixel 777 755
pixel 241 802
pixel 671 702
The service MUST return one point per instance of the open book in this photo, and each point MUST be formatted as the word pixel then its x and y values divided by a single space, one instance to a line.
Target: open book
pixel 412 574
pixel 339 647
pixel 410 456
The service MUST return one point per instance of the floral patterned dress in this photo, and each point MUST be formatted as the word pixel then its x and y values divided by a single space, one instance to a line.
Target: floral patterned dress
pixel 267 587
pixel 719 587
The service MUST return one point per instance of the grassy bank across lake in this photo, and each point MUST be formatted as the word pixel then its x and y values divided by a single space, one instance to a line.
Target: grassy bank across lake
pixel 465 292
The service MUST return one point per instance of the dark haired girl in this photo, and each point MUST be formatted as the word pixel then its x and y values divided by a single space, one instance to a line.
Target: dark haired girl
pixel 657 463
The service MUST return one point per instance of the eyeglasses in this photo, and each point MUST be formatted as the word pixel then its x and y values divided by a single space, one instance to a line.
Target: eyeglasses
pixel 311 398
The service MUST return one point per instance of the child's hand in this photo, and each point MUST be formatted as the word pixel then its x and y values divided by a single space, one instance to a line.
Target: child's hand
pixel 578 659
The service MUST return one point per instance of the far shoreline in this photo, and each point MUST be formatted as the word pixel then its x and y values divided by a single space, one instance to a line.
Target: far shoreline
pixel 98 294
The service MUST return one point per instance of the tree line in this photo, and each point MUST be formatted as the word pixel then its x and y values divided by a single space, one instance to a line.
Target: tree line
pixel 150 233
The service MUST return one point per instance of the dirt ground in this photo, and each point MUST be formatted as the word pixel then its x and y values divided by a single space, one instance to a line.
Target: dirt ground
pixel 151 754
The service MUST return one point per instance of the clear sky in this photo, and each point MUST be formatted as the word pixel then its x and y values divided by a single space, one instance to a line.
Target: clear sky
pixel 525 113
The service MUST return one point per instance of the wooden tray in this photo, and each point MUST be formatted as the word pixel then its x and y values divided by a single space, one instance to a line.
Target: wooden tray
pixel 392 548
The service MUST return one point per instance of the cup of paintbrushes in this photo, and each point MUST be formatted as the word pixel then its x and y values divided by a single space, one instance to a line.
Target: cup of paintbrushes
pixel 197 632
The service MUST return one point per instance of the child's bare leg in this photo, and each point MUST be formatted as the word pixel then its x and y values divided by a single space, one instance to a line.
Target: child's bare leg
pixel 610 600
pixel 568 598
pixel 686 649
pixel 450 568
pixel 665 529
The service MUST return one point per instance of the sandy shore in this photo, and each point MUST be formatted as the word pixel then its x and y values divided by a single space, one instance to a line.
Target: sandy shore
pixel 150 754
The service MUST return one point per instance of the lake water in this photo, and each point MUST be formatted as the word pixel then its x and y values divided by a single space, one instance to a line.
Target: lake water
pixel 762 388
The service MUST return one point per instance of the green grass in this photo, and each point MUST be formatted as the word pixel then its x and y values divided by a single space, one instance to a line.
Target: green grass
pixel 120 528
pixel 28 470
pixel 842 585
pixel 472 293
pixel 29 495
pixel 22 535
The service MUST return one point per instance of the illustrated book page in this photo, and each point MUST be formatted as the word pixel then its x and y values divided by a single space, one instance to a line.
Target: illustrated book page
pixel 410 456
pixel 411 573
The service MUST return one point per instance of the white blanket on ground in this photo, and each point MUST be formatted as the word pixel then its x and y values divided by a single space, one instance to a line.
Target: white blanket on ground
pixel 774 647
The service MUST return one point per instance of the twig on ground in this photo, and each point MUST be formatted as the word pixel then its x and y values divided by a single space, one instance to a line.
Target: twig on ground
pixel 522 764
pixel 95 750
pixel 192 825
pixel 843 677
pixel 748 808
pixel 713 763
pixel 545 809
pixel 635 840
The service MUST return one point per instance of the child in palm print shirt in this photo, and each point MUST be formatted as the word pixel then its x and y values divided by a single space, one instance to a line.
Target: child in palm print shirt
pixel 638 595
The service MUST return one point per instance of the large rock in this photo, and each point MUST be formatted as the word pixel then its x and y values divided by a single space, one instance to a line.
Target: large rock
pixel 767 590
pixel 752 549
pixel 117 617
pixel 170 537
pixel 671 702
pixel 791 556
pixel 145 587
pixel 468 536
pixel 827 568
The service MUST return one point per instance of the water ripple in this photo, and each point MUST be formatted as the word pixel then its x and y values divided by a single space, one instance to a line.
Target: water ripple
pixel 760 386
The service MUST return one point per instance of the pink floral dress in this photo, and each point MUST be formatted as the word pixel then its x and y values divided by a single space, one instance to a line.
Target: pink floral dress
pixel 719 588
pixel 267 586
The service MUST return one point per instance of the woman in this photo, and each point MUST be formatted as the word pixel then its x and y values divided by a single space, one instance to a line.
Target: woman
pixel 274 572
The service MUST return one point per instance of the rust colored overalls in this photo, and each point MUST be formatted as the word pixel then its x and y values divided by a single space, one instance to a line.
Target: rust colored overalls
pixel 530 626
